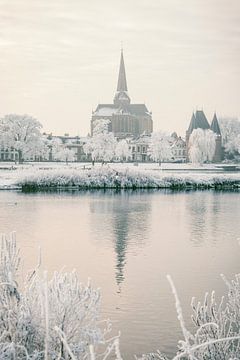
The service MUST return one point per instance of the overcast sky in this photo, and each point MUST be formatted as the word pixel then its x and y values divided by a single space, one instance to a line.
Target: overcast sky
pixel 60 58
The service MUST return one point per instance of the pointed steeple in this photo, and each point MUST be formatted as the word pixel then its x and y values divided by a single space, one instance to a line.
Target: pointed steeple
pixel 215 125
pixel 122 81
pixel 121 97
pixel 192 124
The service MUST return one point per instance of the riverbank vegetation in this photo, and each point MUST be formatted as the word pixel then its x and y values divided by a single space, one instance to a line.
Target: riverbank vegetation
pixel 217 327
pixel 124 178
pixel 59 318
pixel 49 318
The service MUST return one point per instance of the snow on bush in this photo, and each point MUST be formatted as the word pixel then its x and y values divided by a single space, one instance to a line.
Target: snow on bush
pixel 55 318
pixel 217 335
pixel 106 177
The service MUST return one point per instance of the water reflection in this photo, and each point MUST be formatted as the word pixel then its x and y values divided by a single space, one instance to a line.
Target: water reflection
pixel 121 229
pixel 125 216
pixel 127 242
pixel 208 214
pixel 197 213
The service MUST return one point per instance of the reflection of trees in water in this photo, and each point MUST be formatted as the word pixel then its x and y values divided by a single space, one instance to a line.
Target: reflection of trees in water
pixel 197 207
pixel 124 216
pixel 208 214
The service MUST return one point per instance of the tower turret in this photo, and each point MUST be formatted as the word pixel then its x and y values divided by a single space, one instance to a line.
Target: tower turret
pixel 218 149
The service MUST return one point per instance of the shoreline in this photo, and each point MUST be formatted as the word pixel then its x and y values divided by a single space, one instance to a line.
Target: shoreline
pixel 69 179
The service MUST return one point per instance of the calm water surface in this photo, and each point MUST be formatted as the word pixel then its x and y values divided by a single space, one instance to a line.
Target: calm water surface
pixel 127 242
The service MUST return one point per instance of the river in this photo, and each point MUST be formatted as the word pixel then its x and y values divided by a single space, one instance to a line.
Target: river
pixel 127 242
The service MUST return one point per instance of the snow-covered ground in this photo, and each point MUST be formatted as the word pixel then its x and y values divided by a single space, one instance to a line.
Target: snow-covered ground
pixel 115 175
pixel 146 166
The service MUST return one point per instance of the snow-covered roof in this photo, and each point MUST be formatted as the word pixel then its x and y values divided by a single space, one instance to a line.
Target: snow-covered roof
pixel 67 139
pixel 106 110
pixel 143 139
pixel 179 143
pixel 110 109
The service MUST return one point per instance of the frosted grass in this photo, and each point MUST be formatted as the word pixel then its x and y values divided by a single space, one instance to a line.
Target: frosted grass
pixel 123 178
pixel 49 318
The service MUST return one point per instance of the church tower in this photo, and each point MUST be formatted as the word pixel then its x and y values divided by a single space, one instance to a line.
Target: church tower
pixel 121 97
pixel 126 119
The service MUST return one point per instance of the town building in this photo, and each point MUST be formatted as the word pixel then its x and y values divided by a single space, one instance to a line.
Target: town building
pixel 178 148
pixel 139 148
pixel 73 143
pixel 8 154
pixel 199 121
pixel 126 119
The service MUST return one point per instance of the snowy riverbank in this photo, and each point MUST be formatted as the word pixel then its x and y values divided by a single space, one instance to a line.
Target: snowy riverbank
pixel 116 176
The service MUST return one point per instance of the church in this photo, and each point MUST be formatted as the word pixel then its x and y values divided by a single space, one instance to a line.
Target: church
pixel 126 119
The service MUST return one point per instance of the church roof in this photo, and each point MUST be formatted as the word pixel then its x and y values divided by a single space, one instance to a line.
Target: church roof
pixel 138 109
pixel 106 110
pixel 111 109
pixel 198 120
pixel 215 125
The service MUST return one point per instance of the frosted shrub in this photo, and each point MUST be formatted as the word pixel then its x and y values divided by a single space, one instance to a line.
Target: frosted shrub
pixel 107 177
pixel 217 335
pixel 49 319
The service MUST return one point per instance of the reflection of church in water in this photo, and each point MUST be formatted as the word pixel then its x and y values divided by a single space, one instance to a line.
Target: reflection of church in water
pixel 128 223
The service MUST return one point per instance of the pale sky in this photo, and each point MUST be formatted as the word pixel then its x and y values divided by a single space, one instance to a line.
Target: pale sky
pixel 60 58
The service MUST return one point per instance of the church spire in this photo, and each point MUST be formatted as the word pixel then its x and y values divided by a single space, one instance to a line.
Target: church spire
pixel 122 81
pixel 121 97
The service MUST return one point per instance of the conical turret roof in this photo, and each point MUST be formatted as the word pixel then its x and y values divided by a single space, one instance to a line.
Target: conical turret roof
pixel 198 121
pixel 215 125
pixel 192 124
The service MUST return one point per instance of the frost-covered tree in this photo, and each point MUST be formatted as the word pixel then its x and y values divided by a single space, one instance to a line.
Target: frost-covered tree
pixel 122 151
pixel 22 133
pixel 230 130
pixel 60 151
pixel 202 144
pixel 39 151
pixel 102 144
pixel 159 147
pixel 65 154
